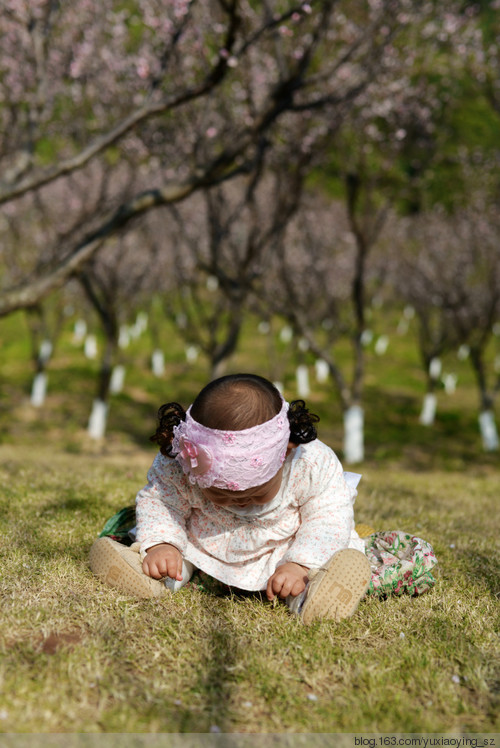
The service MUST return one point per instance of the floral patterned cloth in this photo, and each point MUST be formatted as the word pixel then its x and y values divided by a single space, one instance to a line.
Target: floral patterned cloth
pixel 400 563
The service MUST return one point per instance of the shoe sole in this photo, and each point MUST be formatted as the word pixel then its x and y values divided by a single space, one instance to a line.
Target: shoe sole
pixel 338 587
pixel 121 568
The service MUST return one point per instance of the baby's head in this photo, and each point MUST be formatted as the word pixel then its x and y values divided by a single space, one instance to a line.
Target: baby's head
pixel 234 438
pixel 236 402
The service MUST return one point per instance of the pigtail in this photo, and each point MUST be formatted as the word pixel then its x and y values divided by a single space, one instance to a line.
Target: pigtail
pixel 302 428
pixel 169 416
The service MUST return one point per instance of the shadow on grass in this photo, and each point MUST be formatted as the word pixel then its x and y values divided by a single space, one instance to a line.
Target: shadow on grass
pixel 479 566
pixel 65 504
pixel 216 680
pixel 42 540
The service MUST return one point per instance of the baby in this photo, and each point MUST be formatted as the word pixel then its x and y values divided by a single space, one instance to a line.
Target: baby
pixel 243 490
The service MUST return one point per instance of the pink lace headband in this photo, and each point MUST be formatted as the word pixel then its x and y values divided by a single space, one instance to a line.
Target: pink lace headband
pixel 234 460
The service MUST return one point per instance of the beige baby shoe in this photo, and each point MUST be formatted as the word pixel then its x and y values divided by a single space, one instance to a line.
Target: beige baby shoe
pixel 120 566
pixel 336 589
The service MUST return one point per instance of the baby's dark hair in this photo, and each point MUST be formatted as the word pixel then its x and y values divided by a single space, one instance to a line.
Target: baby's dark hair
pixel 235 402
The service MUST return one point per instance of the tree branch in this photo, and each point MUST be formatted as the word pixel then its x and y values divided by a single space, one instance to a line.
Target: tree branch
pixel 42 177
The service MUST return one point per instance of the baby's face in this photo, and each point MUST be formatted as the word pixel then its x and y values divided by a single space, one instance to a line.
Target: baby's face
pixel 257 495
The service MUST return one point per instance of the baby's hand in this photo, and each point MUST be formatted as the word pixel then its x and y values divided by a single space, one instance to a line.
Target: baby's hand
pixel 289 579
pixel 163 560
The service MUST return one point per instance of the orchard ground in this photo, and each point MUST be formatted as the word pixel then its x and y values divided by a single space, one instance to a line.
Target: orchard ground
pixel 79 657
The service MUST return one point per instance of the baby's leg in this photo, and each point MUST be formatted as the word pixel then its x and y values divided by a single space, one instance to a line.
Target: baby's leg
pixel 120 566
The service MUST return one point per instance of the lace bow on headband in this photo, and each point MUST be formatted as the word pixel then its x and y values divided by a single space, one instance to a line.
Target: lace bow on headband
pixel 199 458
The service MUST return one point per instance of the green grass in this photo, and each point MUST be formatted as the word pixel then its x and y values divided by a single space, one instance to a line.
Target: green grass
pixel 79 657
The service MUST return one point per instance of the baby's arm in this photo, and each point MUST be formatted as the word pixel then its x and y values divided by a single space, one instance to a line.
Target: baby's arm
pixel 162 512
pixel 163 560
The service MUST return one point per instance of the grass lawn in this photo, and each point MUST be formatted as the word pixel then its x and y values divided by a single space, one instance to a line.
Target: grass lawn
pixel 79 657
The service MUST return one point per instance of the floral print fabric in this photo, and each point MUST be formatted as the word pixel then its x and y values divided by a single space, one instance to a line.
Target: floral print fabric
pixel 400 563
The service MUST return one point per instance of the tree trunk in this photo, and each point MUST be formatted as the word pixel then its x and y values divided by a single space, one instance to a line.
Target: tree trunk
pixel 354 450
pixel 487 424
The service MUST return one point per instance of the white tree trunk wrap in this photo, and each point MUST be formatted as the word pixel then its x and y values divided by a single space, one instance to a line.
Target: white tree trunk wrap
pixel 45 351
pixel 117 379
pixel 191 354
pixel 140 325
pixel 322 371
pixel 158 363
pixel 97 420
pixel 354 434
pixel 123 337
pixel 428 409
pixel 302 379
pixel 90 347
pixel 141 321
pixel 450 383
pixel 366 337
pixel 435 367
pixel 80 331
pixel 286 334
pixel 39 389
pixel 381 345
pixel 488 430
